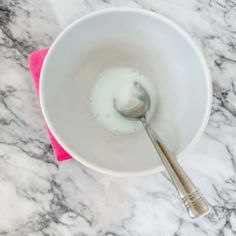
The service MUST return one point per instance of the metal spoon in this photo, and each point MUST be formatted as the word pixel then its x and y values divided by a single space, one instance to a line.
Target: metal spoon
pixel 136 108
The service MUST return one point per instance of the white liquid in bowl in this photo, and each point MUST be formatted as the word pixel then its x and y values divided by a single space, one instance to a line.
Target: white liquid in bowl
pixel 110 84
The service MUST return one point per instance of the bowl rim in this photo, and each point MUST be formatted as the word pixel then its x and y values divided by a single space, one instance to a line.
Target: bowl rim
pixel 179 30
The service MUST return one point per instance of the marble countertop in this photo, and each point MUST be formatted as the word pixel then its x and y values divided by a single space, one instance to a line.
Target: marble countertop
pixel 39 196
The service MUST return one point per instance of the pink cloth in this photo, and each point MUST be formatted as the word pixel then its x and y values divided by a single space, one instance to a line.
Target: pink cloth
pixel 35 63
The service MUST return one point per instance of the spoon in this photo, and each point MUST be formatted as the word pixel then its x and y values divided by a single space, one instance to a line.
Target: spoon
pixel 135 108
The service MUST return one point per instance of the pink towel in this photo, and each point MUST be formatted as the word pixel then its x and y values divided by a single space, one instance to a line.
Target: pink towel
pixel 35 63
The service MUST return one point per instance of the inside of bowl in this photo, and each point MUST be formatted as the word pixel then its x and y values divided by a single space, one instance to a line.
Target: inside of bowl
pixel 132 39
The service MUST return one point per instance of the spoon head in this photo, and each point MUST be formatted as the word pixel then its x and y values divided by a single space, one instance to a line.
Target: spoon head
pixel 134 106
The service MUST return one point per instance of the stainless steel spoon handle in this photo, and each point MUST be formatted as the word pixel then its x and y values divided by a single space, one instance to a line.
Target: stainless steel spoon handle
pixel 194 202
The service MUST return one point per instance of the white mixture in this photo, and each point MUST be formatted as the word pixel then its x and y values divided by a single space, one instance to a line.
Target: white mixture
pixel 116 82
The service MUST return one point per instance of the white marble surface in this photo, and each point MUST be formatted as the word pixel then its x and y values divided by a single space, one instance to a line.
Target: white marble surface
pixel 39 196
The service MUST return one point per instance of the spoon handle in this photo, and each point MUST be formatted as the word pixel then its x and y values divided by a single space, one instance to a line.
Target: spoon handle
pixel 194 202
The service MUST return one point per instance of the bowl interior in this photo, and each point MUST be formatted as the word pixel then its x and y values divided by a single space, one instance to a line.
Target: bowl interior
pixel 138 39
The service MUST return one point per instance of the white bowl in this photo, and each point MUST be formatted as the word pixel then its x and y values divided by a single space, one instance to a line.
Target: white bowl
pixel 138 38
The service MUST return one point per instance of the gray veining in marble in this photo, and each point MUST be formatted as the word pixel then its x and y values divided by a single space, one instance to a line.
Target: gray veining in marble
pixel 39 196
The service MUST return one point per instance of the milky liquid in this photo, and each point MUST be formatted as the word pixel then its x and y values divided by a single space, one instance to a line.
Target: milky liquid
pixel 110 84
